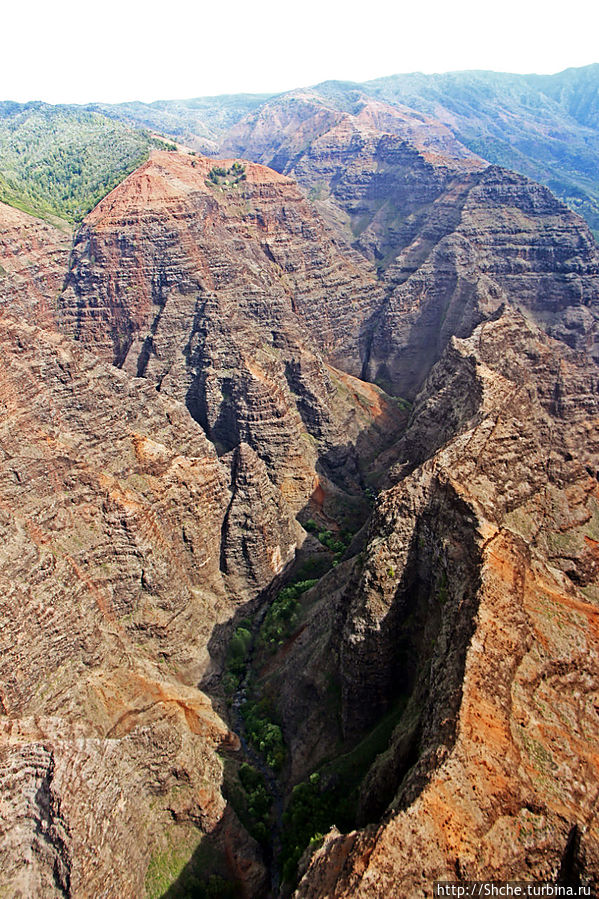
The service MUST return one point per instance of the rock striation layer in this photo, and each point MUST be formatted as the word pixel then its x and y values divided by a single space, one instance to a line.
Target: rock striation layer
pixel 513 246
pixel 111 509
pixel 372 169
pixel 33 264
pixel 454 239
pixel 229 295
pixel 475 602
pixel 210 386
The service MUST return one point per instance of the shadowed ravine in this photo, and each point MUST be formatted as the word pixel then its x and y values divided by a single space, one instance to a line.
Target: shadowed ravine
pixel 272 784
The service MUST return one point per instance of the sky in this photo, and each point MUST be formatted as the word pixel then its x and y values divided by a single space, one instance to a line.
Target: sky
pixel 70 51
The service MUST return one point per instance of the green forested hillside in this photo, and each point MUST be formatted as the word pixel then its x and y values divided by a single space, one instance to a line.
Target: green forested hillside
pixel 199 123
pixel 61 160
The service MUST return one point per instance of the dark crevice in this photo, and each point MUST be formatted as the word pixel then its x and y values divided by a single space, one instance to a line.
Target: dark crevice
pixel 572 865
pixel 224 532
pixel 148 348
pixel 47 829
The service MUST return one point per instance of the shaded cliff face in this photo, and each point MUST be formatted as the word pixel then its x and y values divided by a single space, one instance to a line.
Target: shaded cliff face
pixel 543 126
pixel 111 508
pixel 229 295
pixel 453 238
pixel 513 245
pixel 33 264
pixel 475 601
pixel 126 537
pixel 371 169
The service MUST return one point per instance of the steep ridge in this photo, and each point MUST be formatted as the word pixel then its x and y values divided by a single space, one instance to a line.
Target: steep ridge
pixel 226 291
pixel 454 239
pixel 514 245
pixel 111 508
pixel 372 169
pixel 543 126
pixel 474 605
pixel 33 263
pixel 235 234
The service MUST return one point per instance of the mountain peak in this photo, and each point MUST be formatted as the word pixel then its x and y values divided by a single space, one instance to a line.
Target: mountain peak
pixel 169 177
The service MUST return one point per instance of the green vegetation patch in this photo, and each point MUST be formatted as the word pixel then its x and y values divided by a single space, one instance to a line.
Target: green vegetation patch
pixel 263 733
pixel 283 615
pixel 246 790
pixel 330 795
pixel 230 177
pixel 193 886
pixel 236 659
pixel 335 543
pixel 189 867
pixel 164 868
pixel 61 160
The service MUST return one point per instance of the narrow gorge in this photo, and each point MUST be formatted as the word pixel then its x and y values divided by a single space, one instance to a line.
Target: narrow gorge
pixel 299 514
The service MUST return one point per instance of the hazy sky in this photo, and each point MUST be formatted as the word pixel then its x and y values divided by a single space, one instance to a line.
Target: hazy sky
pixel 112 50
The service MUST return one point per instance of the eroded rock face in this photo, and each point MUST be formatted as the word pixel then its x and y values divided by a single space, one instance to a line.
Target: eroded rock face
pixel 515 245
pixel 454 240
pixel 111 509
pixel 33 264
pixel 372 170
pixel 259 534
pixel 126 539
pixel 141 504
pixel 476 600
pixel 251 245
pixel 229 297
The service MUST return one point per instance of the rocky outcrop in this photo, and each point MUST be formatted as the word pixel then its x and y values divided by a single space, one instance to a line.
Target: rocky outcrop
pixel 259 534
pixel 33 264
pixel 184 241
pixel 227 294
pixel 454 240
pixel 514 246
pixel 543 126
pixel 111 508
pixel 371 169
pixel 475 600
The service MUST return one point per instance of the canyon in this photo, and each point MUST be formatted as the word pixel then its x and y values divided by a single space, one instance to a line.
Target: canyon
pixel 299 504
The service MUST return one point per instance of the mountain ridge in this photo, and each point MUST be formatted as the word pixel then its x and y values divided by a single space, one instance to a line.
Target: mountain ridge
pixel 543 126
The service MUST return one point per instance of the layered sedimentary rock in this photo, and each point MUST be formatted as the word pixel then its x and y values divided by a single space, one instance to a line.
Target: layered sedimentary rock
pixel 184 241
pixel 475 599
pixel 151 471
pixel 372 170
pixel 33 265
pixel 454 239
pixel 226 291
pixel 256 519
pixel 111 509
pixel 514 245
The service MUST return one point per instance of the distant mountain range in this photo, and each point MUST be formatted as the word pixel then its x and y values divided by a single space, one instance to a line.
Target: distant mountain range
pixel 542 126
